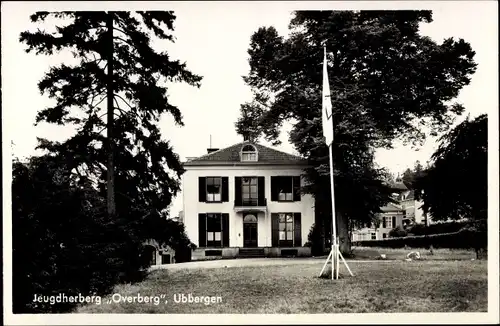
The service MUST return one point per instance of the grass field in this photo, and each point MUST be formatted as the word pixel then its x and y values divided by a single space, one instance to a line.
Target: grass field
pixel 390 286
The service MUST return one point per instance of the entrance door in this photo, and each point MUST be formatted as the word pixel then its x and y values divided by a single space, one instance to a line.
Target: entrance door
pixel 250 231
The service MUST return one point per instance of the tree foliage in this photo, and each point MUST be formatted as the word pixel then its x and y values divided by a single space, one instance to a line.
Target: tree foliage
pixel 410 175
pixel 387 82
pixel 62 239
pixel 65 242
pixel 455 186
pixel 68 236
pixel 147 168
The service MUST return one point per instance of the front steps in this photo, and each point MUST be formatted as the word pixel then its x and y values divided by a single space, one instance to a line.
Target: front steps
pixel 251 253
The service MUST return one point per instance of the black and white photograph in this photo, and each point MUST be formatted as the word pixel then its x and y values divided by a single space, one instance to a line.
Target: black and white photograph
pixel 239 162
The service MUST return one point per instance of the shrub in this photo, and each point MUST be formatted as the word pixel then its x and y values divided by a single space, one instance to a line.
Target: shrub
pixel 314 240
pixel 464 239
pixel 437 228
pixel 397 232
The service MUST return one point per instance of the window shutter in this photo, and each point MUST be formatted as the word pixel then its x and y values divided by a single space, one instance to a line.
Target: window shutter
pixel 225 189
pixel 237 190
pixel 202 189
pixel 202 230
pixel 384 224
pixel 275 230
pixel 261 190
pixel 297 230
pixel 225 229
pixel 393 222
pixel 296 188
pixel 274 188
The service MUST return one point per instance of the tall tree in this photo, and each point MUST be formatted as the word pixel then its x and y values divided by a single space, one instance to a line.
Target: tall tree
pixel 455 186
pixel 408 177
pixel 117 62
pixel 63 241
pixel 387 81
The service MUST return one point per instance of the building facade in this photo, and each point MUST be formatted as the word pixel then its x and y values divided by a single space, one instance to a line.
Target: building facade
pixel 393 215
pixel 245 200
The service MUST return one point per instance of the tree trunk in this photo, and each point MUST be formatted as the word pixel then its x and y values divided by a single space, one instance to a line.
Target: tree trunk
pixel 319 225
pixel 343 233
pixel 110 117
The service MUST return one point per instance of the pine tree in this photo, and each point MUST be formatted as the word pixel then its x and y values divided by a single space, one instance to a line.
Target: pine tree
pixel 386 81
pixel 118 66
pixel 71 233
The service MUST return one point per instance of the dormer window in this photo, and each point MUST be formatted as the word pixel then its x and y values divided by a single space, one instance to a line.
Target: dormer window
pixel 249 154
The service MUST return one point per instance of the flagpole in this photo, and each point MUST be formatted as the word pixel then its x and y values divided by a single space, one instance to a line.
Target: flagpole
pixel 332 191
pixel 334 222
pixel 327 118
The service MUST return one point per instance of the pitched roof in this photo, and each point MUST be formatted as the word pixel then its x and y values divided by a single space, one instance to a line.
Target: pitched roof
pixel 391 208
pixel 231 156
pixel 398 185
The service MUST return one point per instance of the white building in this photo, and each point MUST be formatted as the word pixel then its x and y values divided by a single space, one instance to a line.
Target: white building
pixel 413 208
pixel 391 217
pixel 244 200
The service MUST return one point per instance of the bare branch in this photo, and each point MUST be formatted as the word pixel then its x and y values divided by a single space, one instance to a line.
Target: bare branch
pixel 125 101
pixel 124 41
pixel 120 109
pixel 103 98
pixel 99 132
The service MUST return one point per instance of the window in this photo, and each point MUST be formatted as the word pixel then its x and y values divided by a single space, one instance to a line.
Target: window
pixel 374 236
pixel 384 235
pixel 388 222
pixel 214 189
pixel 248 153
pixel 249 191
pixel 286 229
pixel 285 188
pixel 250 218
pixel 214 230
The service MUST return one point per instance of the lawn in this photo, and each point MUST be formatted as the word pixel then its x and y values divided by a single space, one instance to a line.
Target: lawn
pixel 380 286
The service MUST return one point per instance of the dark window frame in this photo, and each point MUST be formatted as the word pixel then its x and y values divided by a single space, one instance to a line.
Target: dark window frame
pixel 207 200
pixel 286 242
pixel 281 181
pixel 210 228
pixel 253 197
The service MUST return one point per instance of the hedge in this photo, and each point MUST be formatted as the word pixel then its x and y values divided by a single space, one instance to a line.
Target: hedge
pixel 464 239
pixel 438 228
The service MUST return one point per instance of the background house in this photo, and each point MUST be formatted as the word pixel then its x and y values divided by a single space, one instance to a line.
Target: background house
pixel 413 208
pixel 392 216
pixel 245 200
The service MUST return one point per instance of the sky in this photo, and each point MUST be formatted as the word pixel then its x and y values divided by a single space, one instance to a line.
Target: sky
pixel 213 38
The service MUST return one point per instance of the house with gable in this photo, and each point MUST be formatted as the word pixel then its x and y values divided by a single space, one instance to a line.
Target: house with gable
pixel 245 201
